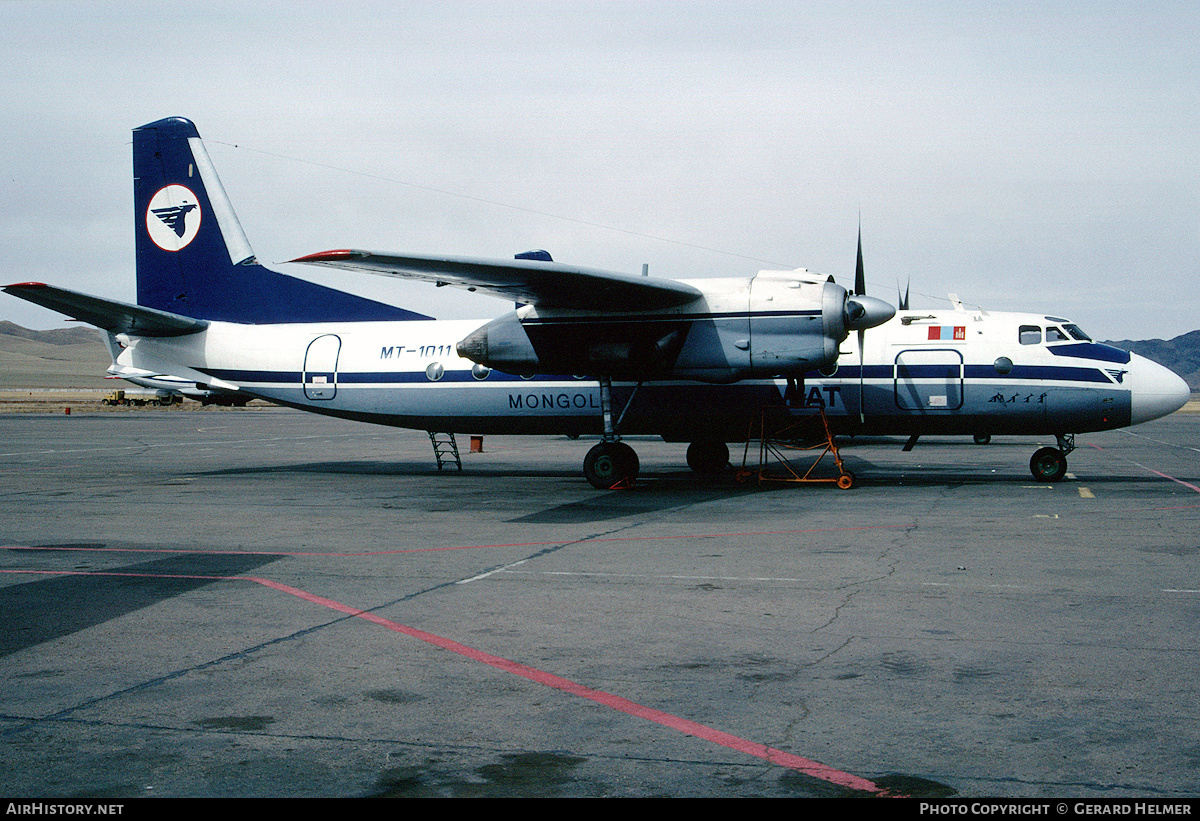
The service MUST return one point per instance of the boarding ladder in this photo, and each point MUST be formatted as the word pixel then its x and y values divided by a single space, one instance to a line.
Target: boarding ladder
pixel 445 449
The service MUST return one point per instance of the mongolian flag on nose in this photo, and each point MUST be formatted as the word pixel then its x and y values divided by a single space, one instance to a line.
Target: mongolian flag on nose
pixel 956 333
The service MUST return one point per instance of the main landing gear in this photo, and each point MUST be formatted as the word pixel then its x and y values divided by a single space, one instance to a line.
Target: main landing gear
pixel 612 463
pixel 1050 464
pixel 708 457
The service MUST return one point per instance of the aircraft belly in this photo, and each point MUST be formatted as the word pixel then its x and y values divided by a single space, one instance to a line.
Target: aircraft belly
pixel 684 411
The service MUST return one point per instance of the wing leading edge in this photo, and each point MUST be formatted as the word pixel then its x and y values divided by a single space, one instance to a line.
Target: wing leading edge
pixel 545 284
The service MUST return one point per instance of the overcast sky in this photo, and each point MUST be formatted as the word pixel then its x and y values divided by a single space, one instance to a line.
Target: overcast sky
pixel 1034 156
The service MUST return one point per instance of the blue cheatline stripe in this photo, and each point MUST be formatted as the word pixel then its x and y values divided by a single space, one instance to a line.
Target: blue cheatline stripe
pixel 1055 373
pixel 1051 373
pixel 276 377
pixel 976 373
pixel 1091 350
pixel 376 377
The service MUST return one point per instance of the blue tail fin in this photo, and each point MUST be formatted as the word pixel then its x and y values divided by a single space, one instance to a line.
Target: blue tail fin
pixel 194 260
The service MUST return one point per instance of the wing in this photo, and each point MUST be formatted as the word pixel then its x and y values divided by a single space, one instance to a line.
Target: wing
pixel 545 284
pixel 114 317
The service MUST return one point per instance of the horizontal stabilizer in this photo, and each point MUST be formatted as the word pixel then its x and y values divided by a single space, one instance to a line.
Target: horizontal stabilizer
pixel 542 283
pixel 114 317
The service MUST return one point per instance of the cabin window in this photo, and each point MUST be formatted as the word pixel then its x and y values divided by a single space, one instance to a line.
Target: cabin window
pixel 1031 334
pixel 1053 334
pixel 1077 333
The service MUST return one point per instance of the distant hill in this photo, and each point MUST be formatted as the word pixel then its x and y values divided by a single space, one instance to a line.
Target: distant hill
pixel 59 336
pixel 1181 354
pixel 63 358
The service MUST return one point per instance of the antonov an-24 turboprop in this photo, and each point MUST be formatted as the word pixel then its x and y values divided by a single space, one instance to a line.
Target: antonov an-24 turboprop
pixel 692 361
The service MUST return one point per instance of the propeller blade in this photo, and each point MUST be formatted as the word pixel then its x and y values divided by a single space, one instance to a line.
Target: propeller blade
pixel 903 300
pixel 862 339
pixel 860 281
pixel 864 311
pixel 860 289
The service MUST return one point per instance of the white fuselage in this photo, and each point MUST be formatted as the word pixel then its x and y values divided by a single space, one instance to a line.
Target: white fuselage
pixel 923 372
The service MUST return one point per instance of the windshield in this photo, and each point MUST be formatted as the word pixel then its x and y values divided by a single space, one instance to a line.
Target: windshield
pixel 1077 333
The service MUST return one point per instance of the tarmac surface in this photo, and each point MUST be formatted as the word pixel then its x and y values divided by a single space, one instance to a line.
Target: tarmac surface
pixel 270 603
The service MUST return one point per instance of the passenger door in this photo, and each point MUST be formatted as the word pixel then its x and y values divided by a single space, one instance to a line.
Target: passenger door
pixel 320 367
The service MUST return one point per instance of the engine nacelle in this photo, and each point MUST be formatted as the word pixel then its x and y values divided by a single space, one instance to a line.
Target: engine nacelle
pixel 777 323
pixel 795 325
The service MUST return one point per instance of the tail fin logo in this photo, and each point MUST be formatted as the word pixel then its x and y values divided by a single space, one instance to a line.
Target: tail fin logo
pixel 173 217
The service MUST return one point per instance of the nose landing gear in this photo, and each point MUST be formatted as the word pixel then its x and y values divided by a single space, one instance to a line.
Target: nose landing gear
pixel 1050 464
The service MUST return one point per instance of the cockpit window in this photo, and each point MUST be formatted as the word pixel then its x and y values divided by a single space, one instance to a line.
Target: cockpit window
pixel 1053 334
pixel 1077 333
pixel 1031 335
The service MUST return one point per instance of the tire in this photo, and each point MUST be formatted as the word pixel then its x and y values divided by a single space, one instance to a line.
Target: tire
pixel 846 480
pixel 609 464
pixel 707 457
pixel 1048 465
pixel 983 438
pixel 631 465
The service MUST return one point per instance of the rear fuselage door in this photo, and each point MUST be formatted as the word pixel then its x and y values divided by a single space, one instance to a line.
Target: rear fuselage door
pixel 320 367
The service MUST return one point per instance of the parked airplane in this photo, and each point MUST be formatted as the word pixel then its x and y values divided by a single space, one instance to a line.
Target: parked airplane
pixel 691 361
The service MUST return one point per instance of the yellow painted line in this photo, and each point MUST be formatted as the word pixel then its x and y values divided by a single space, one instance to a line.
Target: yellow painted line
pixel 1084 493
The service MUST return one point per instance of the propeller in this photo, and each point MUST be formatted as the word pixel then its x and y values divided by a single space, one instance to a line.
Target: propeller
pixel 864 312
pixel 860 280
pixel 860 287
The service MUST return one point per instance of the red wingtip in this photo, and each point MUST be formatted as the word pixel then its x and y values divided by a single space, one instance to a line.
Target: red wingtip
pixel 340 255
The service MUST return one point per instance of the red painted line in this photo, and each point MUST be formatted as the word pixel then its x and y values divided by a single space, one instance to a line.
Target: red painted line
pixel 683 725
pixel 1188 485
pixel 614 702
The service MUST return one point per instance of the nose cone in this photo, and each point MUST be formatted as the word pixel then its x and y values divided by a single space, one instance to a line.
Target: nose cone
pixel 475 346
pixel 864 312
pixel 1155 391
